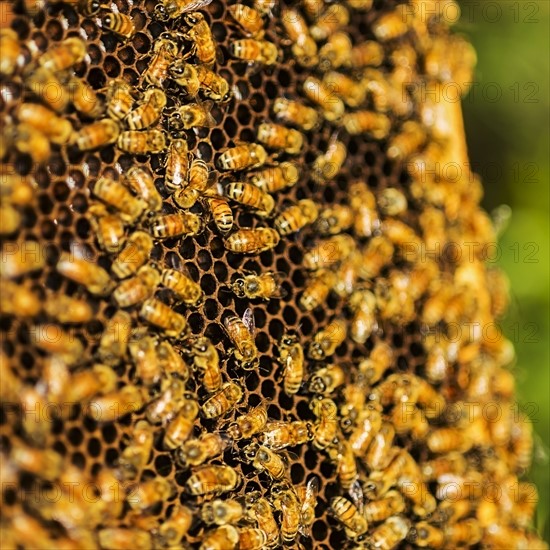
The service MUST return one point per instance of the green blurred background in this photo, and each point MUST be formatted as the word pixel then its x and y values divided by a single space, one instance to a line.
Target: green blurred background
pixel 507 127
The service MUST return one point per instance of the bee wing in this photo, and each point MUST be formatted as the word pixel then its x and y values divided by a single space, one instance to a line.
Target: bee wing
pixel 197 5
pixel 357 496
pixel 248 320
pixel 206 106
pixel 279 277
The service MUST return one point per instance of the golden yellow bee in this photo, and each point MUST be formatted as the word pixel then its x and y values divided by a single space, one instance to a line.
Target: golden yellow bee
pixel 176 225
pixel 241 157
pixel 327 425
pixel 173 529
pixel 327 165
pixel 172 9
pixel 54 340
pixel 250 195
pixel 171 361
pixel 367 122
pixel 133 255
pixel 114 341
pixel 379 360
pixel 276 136
pixel 317 289
pixel 116 404
pixel 223 538
pixel 117 195
pixel 307 496
pixel 63 55
pixel 241 333
pixel 336 52
pixel 10 219
pixel 330 21
pixel 291 357
pixel 252 241
pixel 368 425
pixel 206 358
pixel 11 51
pixel 252 538
pixel 119 98
pixel 165 51
pixel 199 176
pixel 334 219
pixel 194 452
pixel 249 20
pixel 30 257
pixel 140 181
pixel 16 189
pixel 327 340
pixel 96 135
pixel 67 309
pixel 193 115
pixel 278 435
pixel 346 465
pixel 109 228
pixel 276 177
pixel 248 424
pixel 46 463
pixel 85 7
pixel 392 24
pixel 355 524
pixel 164 317
pixel 84 98
pixel 304 48
pixel 17 299
pixel 28 140
pixel 296 216
pixel 390 533
pixel 425 535
pixel 148 111
pixel 212 85
pixel 222 512
pixel 45 84
pixel 149 492
pixel 295 113
pixel 57 129
pixel 200 35
pixel 136 289
pixel 144 355
pixel 221 213
pixel 254 51
pixel 445 440
pixel 363 323
pixel 165 407
pixel 327 379
pixel 351 91
pixel 135 456
pixel 260 511
pixel 222 401
pixel 182 286
pixel 142 143
pixel 186 75
pixel 325 98
pixel 265 460
pixel 93 277
pixel 212 479
pixel 265 7
pixel 177 165
pixel 392 202
pixel 379 510
pixel 180 427
pixel 264 286
pixel 120 24
pixel 367 54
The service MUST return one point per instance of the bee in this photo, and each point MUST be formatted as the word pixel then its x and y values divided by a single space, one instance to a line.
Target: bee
pixel 165 50
pixel 307 496
pixel 276 136
pixel 363 305
pixel 142 143
pixel 45 463
pixel 200 35
pixel 392 202
pixel 193 115
pixel 252 241
pixel 368 425
pixel 136 455
pixel 194 452
pixel 30 141
pixel 251 196
pixel 445 440
pixel 168 226
pixel 248 424
pixel 391 25
pixel 522 442
pixel 291 357
pixel 346 465
pixel 304 48
pixel 380 359
pixel 212 479
pixel 330 21
pixel 222 538
pixel 222 401
pixel 296 216
pixel 173 529
pixel 120 24
pixel 119 99
pixel 377 254
pixel 162 316
pixel 31 258
pixel 133 255
pixel 177 165
pixel 327 165
pixel 367 54
pixel 206 358
pixel 117 404
pixel 403 464
pixel 11 51
pixel 326 380
pixel 327 340
pixel 334 219
pixel 114 340
pixel 136 289
pixel 172 9
pixel 265 460
pixel 249 20
pixel 390 533
pixel 352 93
pixel 241 157
pixel 329 252
pixel 171 361
pixel 121 537
pixel 84 7
pixel 425 535
pixel 144 354
pixel 165 407
pixel 464 533
pixel 275 178
pixel 355 524
pixel 63 55
pixel 186 75
pixel 295 113
pixel 264 286
pixel 251 538
pixel 147 493
pixel 180 427
pixel 96 135
pixel 379 510
pixel 336 52
pixel 261 512
pixel 363 202
pixel 265 7
pixel 42 119
pixel 326 428
pixel 222 512
pixel 325 98
pixel 182 286
pixel 19 300
pixel 278 435
pixel 84 98
pixel 90 275
pixel 221 213
pixel 367 122
pixel 46 85
pixel 453 462
pixel 254 51
pixel 64 309
pixel 241 334
pixel 148 111
pixel 17 190
pixel 10 219
pixel 411 138
pixel 198 183
pixel 141 182
pixel 212 85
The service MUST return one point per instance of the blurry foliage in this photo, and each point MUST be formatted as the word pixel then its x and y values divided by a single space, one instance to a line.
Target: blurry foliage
pixel 507 125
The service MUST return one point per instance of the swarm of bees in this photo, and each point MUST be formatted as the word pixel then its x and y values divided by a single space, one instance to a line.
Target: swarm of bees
pixel 223 324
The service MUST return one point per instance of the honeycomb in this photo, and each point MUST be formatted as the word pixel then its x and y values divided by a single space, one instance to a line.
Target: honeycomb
pixel 425 447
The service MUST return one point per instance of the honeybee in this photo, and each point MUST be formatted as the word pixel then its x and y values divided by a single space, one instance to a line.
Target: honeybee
pixel 252 241
pixel 31 258
pixel 221 213
pixel 165 51
pixel 212 85
pixel 63 55
pixel 172 9
pixel 84 385
pixel 116 404
pixel 11 51
pixel 198 183
pixel 194 452
pixel 222 512
pixel 84 98
pixel 445 440
pixel 251 196
pixel 296 216
pixel 392 202
pixel 248 424
pixel 251 538
pixel 327 340
pixel 334 219
pixel 144 354
pixel 46 463
pixel 186 75
pixel 162 316
pixel 10 219
pixel 133 255
pixel 464 533
pixel 148 111
pixel 330 21
pixel 222 401
pixel 183 287
pixel 168 226
pixel 165 407
pixel 304 48
pixel 291 357
pixel 96 135
pixel 327 165
pixel 46 85
pixel 249 20
pixel 336 52
pixel 425 535
pixel 177 165
pixel 171 361
pixel 265 460
pixel 206 358
pixel 326 380
pixel 331 105
pixel 200 35
pixel 260 511
pixel 355 524
pixel 367 54
pixel 265 7
pixel 135 456
pixel 63 308
pixel 142 143
pixel 147 493
pixel 278 435
pixel 85 7
pixel 121 537
pixel 136 289
pixel 376 125
pixel 114 340
pixel 90 275
pixel 19 300
pixel 241 334
pixel 326 428
pixel 264 286
pixel 379 510
pixel 373 368
pixel 363 324
pixel 352 92
pixel 223 538
pixel 390 533
pixel 254 51
pixel 275 178
pixel 141 182
pixel 329 252
pixel 180 427
pixel 276 136
pixel 346 465
pixel 241 157
pixel 360 4
pixel 173 529
pixel 120 24
pixel 212 479
pixel 408 141
pixel 295 113
pixel 57 129
pixel 17 190
pixel 193 115
pixel 30 141
pixel 307 496
pixel 119 98
pixel 391 25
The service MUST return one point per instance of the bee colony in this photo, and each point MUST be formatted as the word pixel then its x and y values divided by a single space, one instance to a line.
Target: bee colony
pixel 240 303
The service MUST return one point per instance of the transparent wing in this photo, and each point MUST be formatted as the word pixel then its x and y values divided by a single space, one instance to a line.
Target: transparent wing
pixel 248 320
